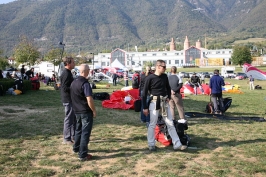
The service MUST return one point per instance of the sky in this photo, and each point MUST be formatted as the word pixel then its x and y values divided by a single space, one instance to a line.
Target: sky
pixel 5 1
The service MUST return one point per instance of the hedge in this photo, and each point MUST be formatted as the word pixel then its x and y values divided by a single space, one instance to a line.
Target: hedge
pixel 8 83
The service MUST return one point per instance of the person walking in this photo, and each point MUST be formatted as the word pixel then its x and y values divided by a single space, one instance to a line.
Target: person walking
pixel 251 82
pixel 22 72
pixel 202 79
pixel 143 76
pixel 216 83
pixel 158 86
pixel 84 108
pixel 126 78
pixel 114 76
pixel 66 79
pixel 176 84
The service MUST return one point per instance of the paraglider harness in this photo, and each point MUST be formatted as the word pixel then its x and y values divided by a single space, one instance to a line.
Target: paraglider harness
pixel 226 101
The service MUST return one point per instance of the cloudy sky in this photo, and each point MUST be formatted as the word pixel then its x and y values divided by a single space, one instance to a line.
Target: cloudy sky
pixel 5 1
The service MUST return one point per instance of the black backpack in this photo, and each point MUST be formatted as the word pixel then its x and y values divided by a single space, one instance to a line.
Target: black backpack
pixel 227 103
pixel 180 130
pixel 18 85
pixel 135 82
pixel 101 96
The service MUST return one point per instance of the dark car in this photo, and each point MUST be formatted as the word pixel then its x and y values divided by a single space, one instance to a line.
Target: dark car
pixel 186 75
pixel 206 74
pixel 241 76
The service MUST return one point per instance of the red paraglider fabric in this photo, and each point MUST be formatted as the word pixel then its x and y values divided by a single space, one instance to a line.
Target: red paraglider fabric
pixel 117 99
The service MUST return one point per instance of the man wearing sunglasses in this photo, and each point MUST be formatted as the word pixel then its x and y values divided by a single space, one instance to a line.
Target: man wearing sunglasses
pixel 157 85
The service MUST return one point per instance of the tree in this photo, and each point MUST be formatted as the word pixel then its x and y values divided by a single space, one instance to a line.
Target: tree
pixel 54 56
pixel 241 55
pixel 26 52
pixel 3 61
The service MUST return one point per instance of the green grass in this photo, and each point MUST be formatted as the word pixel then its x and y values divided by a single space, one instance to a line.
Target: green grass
pixel 31 135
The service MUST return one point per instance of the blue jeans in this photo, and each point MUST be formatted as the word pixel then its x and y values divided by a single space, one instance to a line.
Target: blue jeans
pixel 69 122
pixel 144 118
pixel 83 133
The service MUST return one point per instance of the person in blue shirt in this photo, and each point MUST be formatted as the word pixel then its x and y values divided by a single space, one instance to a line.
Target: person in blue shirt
pixel 216 83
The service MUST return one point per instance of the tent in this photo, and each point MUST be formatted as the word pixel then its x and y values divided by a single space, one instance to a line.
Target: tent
pixel 118 64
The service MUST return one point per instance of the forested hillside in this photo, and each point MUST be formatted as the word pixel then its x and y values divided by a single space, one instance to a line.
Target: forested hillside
pixel 106 24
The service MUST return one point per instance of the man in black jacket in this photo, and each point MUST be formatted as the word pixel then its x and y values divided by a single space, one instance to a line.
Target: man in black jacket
pixel 66 79
pixel 157 85
pixel 83 105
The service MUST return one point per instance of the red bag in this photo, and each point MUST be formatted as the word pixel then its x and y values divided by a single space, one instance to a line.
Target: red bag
pixel 160 137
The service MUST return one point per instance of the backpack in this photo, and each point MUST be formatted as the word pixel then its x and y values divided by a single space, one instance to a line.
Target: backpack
pixel 18 85
pixel 101 96
pixel 135 82
pixel 162 135
pixel 227 103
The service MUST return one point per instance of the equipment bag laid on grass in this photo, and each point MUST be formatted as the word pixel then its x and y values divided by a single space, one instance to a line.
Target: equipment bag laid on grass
pixel 227 103
pixel 101 96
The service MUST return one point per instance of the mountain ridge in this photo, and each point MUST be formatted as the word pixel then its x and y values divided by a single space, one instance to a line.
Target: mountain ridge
pixel 106 24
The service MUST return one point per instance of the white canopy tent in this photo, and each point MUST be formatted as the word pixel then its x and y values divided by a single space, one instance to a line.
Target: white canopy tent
pixel 117 64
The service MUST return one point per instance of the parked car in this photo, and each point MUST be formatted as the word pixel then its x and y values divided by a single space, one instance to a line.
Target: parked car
pixel 186 75
pixel 241 76
pixel 206 74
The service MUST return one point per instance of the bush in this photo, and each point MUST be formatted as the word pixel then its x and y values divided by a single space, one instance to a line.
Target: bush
pixel 8 83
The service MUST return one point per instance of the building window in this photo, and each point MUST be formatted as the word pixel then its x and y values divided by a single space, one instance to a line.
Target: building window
pixel 176 53
pixel 223 52
pixel 154 54
pixel 230 51
pixel 103 63
pixel 177 62
pixel 217 52
pixel 181 53
pixel 133 55
pixel 164 54
pixel 169 62
pixel 144 54
pixel 49 65
pixel 181 61
pixel 103 56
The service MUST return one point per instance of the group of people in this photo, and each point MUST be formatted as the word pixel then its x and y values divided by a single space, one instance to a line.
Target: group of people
pixel 76 96
pixel 160 94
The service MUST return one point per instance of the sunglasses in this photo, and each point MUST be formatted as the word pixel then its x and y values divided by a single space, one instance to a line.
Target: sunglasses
pixel 164 67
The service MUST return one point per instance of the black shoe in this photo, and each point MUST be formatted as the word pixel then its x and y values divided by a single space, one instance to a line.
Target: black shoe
pixel 88 157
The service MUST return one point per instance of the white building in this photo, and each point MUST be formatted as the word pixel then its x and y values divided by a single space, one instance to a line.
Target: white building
pixel 190 56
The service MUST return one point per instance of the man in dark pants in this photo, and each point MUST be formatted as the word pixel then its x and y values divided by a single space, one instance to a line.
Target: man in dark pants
pixel 114 76
pixel 216 83
pixel 83 105
pixel 66 79
pixel 157 85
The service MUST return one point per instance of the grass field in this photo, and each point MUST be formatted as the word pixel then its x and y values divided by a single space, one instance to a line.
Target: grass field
pixel 31 139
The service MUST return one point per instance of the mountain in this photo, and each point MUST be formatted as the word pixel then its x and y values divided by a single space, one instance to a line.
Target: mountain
pixel 95 25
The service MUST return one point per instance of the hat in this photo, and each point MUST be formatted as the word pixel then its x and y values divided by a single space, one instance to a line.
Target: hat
pixel 194 73
pixel 152 68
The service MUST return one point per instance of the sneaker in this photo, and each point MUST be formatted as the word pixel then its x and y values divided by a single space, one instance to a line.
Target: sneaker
pixel 179 146
pixel 152 148
pixel 88 157
pixel 68 142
